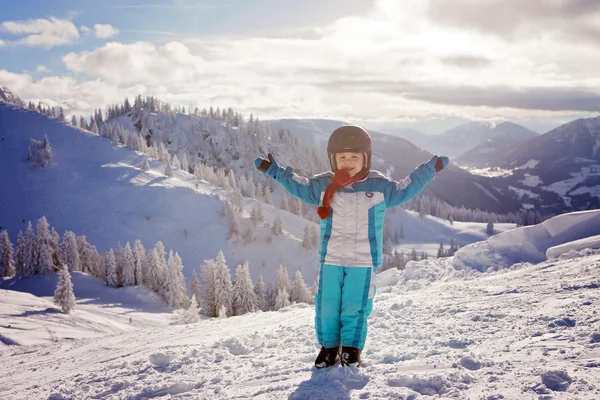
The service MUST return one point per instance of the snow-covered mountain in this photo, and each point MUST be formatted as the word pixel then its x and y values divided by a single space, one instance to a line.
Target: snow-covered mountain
pixel 8 97
pixel 398 157
pixel 457 141
pixel 558 171
pixel 526 328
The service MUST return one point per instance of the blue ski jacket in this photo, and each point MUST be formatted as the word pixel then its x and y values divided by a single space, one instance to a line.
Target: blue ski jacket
pixel 352 235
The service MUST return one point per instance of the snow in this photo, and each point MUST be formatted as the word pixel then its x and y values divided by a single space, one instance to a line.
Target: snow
pixel 527 244
pixel 531 180
pixel 487 192
pixel 529 164
pixel 522 332
pixel 490 172
pixel 564 188
pixel 522 192
pixel 592 242
pixel 497 320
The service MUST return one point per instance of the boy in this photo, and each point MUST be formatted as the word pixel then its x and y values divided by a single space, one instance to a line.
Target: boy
pixel 352 201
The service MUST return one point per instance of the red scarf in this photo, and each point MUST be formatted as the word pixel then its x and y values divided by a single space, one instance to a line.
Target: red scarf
pixel 341 178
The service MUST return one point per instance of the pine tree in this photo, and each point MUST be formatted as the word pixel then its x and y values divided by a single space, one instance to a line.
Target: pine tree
pixel 7 262
pixel 155 272
pixel 299 293
pixel 306 242
pixel 33 251
pixel 282 281
pixel 70 252
pixel 490 228
pixel 145 164
pixel 192 314
pixel 139 256
pixel 168 169
pixel 185 165
pixel 207 272
pixel 110 263
pixel 63 294
pixel 46 264
pixel 277 228
pixel 21 256
pixel 282 299
pixel 128 266
pixel 244 298
pixel 223 286
pixel 195 287
pixel 259 292
pixel 248 235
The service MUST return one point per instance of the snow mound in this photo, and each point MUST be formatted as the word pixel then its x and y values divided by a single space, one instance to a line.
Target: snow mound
pixel 528 244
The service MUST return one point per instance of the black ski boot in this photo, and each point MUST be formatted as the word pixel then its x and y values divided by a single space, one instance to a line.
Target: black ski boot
pixel 327 357
pixel 350 357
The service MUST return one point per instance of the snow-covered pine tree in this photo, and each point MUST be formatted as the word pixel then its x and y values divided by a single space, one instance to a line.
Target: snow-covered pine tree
pixel 33 251
pixel 259 292
pixel 195 288
pixel 139 255
pixel 175 163
pixel 185 165
pixel 282 299
pixel 207 275
pixel 299 293
pixel 248 235
pixel 128 266
pixel 306 243
pixel 244 298
pixel 145 164
pixel 119 260
pixel 45 264
pixel 223 286
pixel 192 314
pixel 490 228
pixel 282 280
pixel 168 169
pixel 110 263
pixel 21 256
pixel 56 252
pixel 284 204
pixel 234 225
pixel 63 294
pixel 7 261
pixel 267 195
pixel 70 252
pixel 277 228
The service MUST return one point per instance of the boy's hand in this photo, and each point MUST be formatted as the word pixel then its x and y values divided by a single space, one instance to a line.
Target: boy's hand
pixel 268 167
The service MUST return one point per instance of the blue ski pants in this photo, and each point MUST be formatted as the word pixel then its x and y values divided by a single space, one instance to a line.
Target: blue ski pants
pixel 343 303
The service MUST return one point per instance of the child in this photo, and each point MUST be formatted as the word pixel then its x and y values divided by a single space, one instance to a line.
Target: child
pixel 352 201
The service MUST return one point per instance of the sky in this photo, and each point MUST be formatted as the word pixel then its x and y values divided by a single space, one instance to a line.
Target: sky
pixel 382 61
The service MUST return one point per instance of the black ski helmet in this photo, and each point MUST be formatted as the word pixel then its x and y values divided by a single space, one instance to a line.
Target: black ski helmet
pixel 349 139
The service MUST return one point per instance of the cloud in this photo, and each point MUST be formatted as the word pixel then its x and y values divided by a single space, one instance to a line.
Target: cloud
pixel 399 59
pixel 42 69
pixel 2 43
pixel 514 19
pixel 42 32
pixel 85 30
pixel 104 31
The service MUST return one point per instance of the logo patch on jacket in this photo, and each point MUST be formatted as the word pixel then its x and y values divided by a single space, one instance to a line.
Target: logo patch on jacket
pixel 369 194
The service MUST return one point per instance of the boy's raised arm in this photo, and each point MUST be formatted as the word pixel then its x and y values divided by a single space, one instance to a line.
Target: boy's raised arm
pixel 307 190
pixel 397 193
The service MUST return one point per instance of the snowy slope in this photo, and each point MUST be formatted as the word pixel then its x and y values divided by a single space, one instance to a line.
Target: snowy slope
pixel 530 331
pixel 98 190
pixel 26 306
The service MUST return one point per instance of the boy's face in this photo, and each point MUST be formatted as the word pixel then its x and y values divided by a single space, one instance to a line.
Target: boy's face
pixel 353 162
